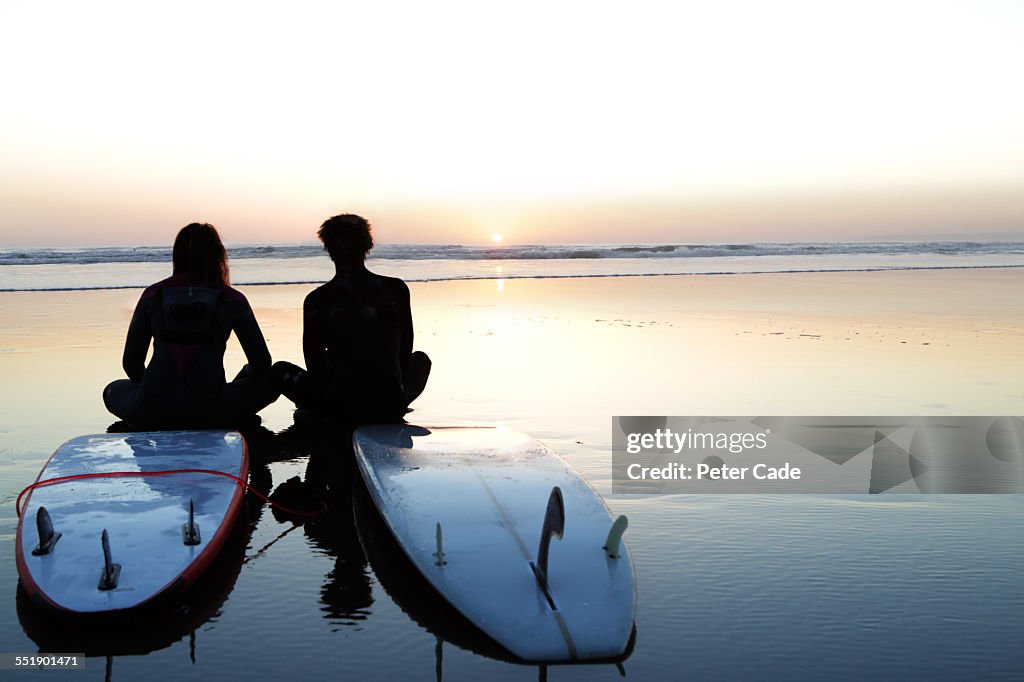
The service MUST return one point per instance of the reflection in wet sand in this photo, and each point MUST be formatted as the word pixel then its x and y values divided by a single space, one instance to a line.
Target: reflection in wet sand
pixel 346 595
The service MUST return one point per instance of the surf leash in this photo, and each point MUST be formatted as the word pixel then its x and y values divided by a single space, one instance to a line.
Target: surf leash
pixel 270 544
pixel 131 474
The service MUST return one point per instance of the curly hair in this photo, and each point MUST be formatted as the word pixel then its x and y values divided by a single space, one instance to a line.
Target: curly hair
pixel 346 233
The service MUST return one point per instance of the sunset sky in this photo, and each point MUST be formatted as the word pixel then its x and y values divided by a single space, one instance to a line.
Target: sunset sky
pixel 541 121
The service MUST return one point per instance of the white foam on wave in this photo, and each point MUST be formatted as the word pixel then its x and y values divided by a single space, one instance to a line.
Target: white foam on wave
pixel 154 254
pixel 313 269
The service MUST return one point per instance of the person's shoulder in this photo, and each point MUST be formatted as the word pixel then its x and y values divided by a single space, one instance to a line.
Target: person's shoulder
pixel 153 289
pixel 232 294
pixel 318 295
pixel 394 285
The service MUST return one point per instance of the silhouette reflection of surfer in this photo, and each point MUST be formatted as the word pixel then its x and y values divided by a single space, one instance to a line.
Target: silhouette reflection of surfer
pixel 260 444
pixel 346 595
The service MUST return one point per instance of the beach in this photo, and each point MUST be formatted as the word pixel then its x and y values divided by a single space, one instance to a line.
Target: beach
pixel 755 272
pixel 546 354
pixel 728 585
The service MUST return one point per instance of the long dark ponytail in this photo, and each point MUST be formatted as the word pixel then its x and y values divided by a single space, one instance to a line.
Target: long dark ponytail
pixel 199 254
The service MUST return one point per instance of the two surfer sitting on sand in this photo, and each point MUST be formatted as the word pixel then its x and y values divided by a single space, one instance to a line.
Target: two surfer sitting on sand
pixel 357 342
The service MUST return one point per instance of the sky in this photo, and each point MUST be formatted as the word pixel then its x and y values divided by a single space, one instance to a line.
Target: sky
pixel 539 121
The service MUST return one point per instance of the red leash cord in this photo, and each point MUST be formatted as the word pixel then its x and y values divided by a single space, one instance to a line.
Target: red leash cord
pixel 129 474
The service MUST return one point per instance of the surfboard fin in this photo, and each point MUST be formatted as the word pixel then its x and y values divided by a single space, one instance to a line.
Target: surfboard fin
pixel 554 526
pixel 614 540
pixel 47 538
pixel 439 553
pixel 111 571
pixel 190 531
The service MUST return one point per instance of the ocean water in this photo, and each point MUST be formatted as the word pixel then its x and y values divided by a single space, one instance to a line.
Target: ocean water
pixel 127 267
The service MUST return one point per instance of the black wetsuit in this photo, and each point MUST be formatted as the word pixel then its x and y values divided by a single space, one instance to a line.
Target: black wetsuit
pixel 357 342
pixel 184 385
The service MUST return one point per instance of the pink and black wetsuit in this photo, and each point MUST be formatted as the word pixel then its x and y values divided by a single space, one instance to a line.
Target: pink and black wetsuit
pixel 184 385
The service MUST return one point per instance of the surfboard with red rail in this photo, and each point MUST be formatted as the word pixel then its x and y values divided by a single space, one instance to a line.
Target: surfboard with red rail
pixel 130 518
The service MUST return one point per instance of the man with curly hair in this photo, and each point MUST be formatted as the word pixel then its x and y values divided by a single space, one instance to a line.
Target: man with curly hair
pixel 357 337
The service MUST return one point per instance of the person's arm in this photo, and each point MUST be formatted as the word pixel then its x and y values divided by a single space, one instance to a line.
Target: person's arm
pixel 136 343
pixel 313 339
pixel 404 321
pixel 251 339
pixel 405 328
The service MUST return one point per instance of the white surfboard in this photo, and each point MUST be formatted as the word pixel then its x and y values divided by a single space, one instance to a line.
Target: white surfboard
pixel 154 547
pixel 489 490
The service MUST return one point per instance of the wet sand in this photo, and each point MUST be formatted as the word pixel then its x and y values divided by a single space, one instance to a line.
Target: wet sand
pixel 558 357
pixel 561 356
